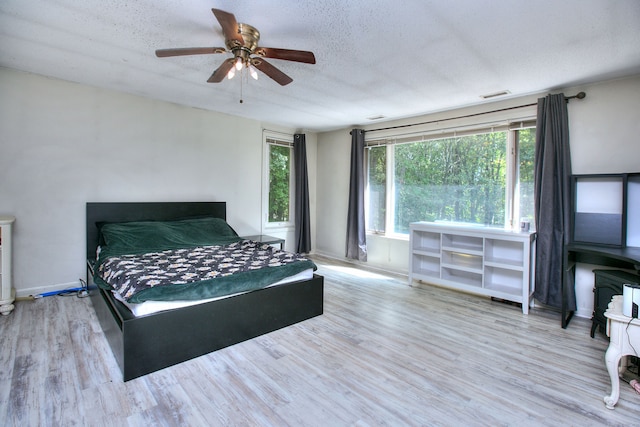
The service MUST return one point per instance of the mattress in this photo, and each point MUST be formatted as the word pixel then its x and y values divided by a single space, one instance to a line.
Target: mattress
pixel 150 307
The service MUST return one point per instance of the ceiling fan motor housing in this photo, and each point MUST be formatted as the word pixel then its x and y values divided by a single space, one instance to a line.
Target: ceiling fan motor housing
pixel 251 37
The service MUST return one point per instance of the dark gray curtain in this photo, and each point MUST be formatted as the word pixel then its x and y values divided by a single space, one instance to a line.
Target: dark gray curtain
pixel 552 200
pixel 303 233
pixel 356 236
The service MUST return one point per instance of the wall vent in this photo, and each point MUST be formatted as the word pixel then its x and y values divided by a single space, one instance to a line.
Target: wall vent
pixel 494 95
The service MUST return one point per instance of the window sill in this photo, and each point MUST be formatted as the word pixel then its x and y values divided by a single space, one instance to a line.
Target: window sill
pixel 401 237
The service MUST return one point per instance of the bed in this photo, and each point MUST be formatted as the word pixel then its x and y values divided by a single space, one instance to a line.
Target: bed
pixel 147 343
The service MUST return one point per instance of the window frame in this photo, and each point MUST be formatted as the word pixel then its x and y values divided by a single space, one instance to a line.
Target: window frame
pixel 282 140
pixel 512 196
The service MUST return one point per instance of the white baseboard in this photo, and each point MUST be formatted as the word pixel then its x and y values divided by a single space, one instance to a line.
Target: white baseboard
pixel 20 293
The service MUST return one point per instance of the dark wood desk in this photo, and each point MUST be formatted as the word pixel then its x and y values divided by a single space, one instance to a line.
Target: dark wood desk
pixel 626 258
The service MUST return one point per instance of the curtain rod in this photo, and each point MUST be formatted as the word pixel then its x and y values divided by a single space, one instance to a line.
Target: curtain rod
pixel 265 130
pixel 579 95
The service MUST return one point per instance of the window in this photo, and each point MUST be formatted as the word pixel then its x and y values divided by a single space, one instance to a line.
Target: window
pixel 526 145
pixel 376 189
pixel 482 178
pixel 279 183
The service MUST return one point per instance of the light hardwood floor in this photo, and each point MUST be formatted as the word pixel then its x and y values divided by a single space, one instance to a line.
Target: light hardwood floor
pixel 383 353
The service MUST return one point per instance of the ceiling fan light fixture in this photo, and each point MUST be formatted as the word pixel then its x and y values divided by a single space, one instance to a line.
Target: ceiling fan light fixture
pixel 253 72
pixel 231 73
pixel 239 64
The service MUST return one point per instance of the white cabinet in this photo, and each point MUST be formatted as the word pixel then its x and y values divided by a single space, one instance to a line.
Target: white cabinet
pixel 7 293
pixel 486 261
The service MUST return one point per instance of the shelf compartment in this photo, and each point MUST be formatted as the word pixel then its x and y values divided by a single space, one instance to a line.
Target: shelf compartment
pixel 425 241
pixel 462 260
pixel 506 264
pixel 427 253
pixel 462 276
pixel 508 252
pixel 426 265
pixel 467 244
pixel 503 280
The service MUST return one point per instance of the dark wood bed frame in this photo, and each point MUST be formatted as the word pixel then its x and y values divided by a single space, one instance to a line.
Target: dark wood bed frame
pixel 145 344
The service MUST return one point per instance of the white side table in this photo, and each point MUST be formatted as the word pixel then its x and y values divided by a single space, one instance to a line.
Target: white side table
pixel 624 335
pixel 7 293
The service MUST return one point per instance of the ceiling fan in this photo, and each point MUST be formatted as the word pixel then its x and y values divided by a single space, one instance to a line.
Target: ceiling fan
pixel 242 41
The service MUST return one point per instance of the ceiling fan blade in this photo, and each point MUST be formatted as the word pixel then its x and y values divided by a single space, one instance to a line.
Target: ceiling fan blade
pixel 271 71
pixel 163 53
pixel 229 25
pixel 219 74
pixel 286 54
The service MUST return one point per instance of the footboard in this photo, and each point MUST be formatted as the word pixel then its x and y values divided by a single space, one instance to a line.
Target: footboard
pixel 145 344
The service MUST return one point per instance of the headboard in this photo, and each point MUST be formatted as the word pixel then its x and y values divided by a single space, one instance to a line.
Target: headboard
pixel 145 211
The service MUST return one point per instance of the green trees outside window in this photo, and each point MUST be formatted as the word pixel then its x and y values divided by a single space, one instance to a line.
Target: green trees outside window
pixel 460 179
pixel 279 183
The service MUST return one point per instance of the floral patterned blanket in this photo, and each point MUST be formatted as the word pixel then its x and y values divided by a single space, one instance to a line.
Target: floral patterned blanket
pixel 199 272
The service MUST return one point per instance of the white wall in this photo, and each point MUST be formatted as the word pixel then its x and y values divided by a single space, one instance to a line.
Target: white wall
pixel 64 144
pixel 604 132
pixel 332 191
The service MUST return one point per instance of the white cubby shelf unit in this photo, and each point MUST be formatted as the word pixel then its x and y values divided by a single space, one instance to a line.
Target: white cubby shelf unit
pixel 481 260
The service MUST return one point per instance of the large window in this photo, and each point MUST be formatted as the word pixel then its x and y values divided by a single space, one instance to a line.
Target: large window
pixel 483 178
pixel 279 182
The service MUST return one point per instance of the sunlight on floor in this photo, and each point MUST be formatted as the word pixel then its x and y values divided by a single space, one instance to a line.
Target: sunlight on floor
pixel 355 272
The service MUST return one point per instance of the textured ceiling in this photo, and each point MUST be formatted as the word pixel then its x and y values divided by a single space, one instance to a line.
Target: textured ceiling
pixel 374 57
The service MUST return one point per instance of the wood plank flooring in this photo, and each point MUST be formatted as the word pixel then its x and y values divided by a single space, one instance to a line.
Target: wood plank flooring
pixel 382 354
